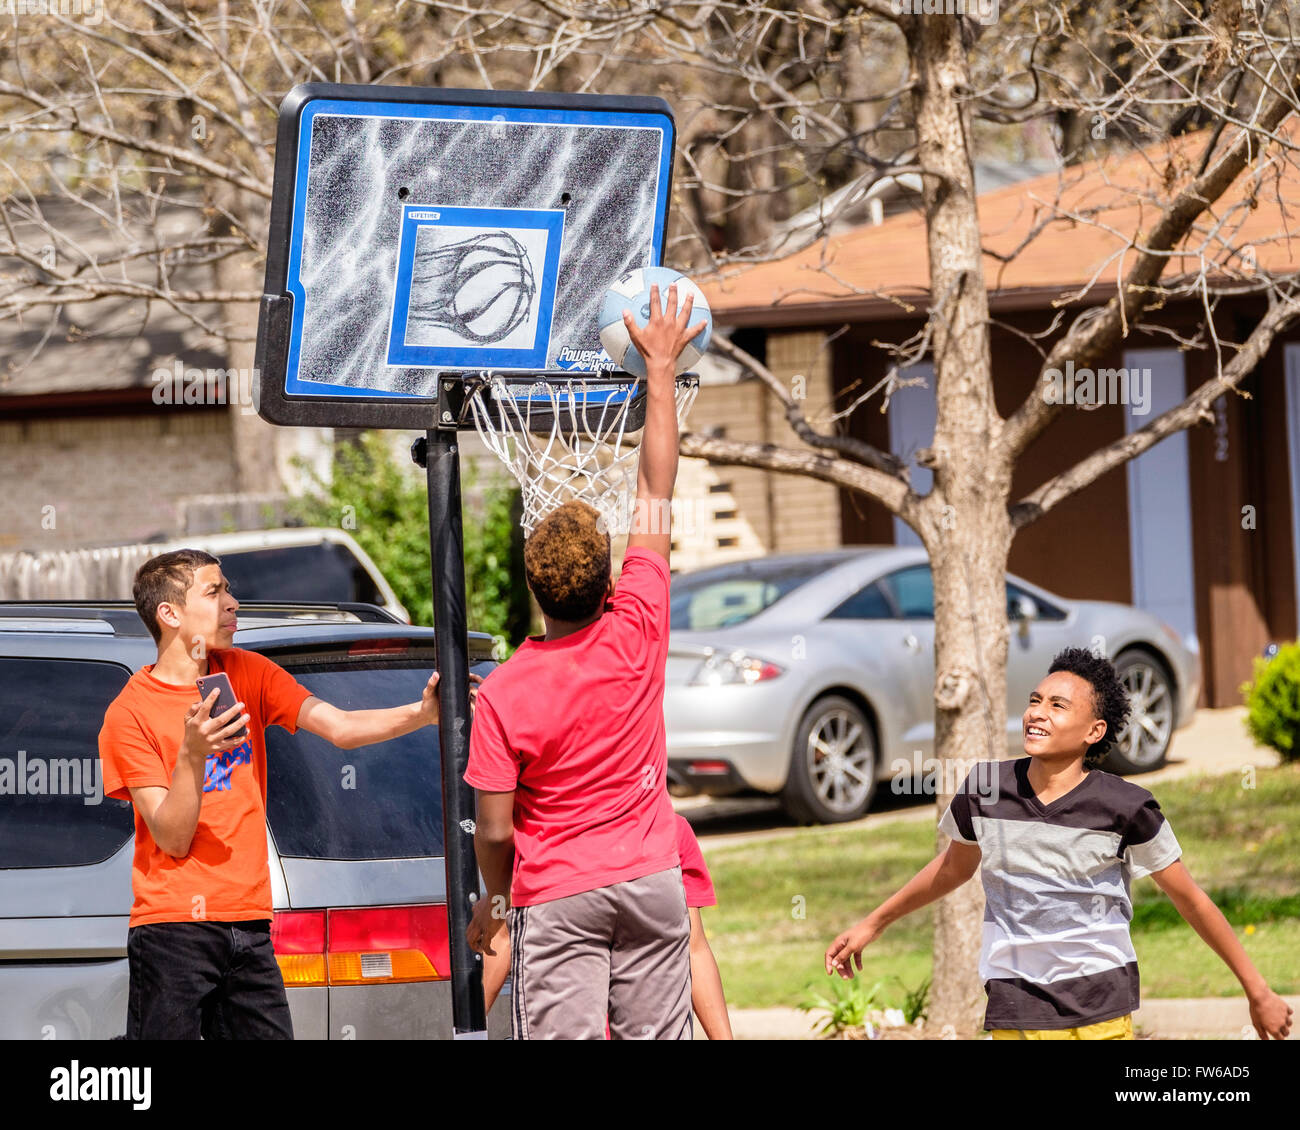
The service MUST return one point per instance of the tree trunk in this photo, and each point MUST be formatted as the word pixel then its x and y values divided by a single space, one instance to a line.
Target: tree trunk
pixel 963 521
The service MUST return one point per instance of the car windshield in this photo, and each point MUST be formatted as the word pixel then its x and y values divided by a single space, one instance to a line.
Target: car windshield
pixel 326 571
pixel 719 598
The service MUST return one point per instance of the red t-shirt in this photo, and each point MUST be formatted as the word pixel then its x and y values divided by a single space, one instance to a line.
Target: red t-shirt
pixel 224 877
pixel 575 728
pixel 695 875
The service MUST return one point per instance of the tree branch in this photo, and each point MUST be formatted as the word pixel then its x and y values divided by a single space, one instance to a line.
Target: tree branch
pixel 1098 331
pixel 855 449
pixel 889 491
pixel 1192 410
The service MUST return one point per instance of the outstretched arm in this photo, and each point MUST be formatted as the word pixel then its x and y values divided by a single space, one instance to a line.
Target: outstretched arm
pixel 942 875
pixel 659 343
pixel 349 729
pixel 1269 1013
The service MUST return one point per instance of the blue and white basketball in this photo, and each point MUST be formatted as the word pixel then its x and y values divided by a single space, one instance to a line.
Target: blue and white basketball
pixel 633 293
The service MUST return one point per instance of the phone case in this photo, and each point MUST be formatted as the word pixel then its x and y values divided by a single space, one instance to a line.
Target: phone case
pixel 225 695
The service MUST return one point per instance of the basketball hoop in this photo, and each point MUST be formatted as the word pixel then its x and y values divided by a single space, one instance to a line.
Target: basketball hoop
pixel 565 437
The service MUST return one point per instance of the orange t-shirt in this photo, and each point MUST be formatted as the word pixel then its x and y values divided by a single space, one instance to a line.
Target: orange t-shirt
pixel 224 877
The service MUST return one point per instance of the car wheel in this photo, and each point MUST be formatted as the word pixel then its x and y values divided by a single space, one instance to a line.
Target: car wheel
pixel 1144 741
pixel 833 765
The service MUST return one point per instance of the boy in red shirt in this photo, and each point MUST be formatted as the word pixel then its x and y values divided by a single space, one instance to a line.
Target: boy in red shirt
pixel 199 944
pixel 575 831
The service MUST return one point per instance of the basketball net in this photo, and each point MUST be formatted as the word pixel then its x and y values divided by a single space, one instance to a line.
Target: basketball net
pixel 560 446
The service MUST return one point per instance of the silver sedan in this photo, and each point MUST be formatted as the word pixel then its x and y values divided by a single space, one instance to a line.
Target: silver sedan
pixel 811 676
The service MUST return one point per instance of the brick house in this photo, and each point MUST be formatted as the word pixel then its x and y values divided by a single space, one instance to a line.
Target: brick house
pixel 1203 529
pixel 93 448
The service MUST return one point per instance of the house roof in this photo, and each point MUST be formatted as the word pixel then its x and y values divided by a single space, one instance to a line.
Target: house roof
pixel 1075 230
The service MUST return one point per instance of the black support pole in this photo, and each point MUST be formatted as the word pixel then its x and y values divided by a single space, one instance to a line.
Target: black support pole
pixel 446 542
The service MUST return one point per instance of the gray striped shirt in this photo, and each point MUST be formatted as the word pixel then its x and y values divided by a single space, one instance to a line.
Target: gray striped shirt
pixel 1056 950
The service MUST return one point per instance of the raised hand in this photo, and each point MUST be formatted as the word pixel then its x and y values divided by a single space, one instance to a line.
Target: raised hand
pixel 666 335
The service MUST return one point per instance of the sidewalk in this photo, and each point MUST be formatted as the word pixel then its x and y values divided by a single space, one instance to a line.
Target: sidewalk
pixel 1217 1018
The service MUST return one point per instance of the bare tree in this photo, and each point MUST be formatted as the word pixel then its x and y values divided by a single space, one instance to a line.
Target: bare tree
pixel 784 105
pixel 1130 77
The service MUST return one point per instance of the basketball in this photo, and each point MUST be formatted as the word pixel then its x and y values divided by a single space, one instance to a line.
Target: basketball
pixel 633 293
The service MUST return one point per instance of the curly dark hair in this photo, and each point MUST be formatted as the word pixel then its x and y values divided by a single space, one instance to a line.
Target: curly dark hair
pixel 1109 698
pixel 566 562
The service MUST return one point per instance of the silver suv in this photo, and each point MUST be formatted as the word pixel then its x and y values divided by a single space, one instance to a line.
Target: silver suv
pixel 354 837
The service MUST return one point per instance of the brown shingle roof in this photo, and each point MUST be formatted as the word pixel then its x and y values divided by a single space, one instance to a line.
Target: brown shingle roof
pixel 1084 217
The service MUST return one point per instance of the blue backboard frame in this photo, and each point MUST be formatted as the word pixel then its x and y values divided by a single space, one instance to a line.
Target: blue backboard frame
pixel 286 396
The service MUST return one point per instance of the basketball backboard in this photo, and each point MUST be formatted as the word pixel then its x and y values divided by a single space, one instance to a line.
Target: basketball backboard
pixel 418 234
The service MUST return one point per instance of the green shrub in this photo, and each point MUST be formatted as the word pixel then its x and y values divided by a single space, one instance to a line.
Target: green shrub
pixel 1273 702
pixel 385 507
pixel 846 1008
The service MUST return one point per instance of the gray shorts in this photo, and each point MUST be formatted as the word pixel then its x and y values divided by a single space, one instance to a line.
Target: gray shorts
pixel 622 952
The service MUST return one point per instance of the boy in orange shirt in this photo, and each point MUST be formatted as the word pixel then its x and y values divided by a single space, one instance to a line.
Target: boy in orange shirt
pixel 199 944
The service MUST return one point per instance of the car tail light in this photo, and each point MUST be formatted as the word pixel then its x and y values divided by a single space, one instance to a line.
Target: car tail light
pixel 298 937
pixel 706 767
pixel 391 943
pixel 362 946
pixel 380 647
pixel 738 667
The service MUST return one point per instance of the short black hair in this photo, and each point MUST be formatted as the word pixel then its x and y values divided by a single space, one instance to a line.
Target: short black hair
pixel 1110 700
pixel 166 579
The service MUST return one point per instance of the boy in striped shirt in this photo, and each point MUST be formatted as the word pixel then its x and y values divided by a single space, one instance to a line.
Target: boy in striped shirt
pixel 1059 842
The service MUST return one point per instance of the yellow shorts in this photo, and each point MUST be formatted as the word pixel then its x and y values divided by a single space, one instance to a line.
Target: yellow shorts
pixel 1121 1028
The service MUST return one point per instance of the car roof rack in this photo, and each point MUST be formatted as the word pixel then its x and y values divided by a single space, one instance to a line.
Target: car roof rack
pixel 122 617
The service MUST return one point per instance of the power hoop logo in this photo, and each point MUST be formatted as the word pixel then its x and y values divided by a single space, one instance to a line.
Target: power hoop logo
pixel 475 287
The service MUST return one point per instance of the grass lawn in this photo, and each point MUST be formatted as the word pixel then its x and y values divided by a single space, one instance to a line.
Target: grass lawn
pixel 782 901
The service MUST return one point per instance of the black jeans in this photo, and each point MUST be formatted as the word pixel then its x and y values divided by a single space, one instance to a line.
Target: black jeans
pixel 209 980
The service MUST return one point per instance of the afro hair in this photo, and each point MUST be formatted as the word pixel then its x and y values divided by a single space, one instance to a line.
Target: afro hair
pixel 567 562
pixel 1110 700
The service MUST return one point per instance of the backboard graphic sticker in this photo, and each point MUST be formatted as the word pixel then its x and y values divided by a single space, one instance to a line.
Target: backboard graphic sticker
pixel 418 232
pixel 475 287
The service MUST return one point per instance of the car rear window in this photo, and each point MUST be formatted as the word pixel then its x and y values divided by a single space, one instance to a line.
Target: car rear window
pixel 719 598
pixel 53 812
pixel 377 802
pixel 323 572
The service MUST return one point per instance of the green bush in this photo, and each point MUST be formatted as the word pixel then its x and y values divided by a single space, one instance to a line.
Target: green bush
pixel 496 594
pixel 385 507
pixel 847 1008
pixel 1273 702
